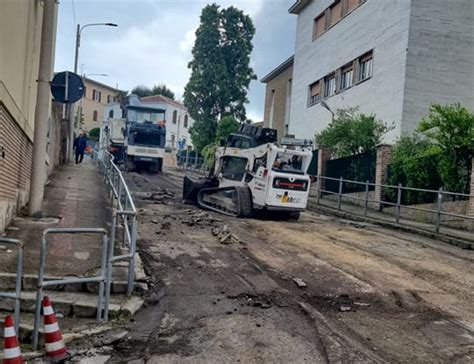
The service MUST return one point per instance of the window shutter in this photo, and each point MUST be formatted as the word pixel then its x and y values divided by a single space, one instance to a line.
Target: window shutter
pixel 322 91
pixel 338 80
pixel 345 7
pixel 355 76
pixel 327 18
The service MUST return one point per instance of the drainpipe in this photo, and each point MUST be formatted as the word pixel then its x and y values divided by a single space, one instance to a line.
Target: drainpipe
pixel 42 111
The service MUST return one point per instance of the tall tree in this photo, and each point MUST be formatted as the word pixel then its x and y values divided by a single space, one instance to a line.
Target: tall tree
pixel 161 89
pixel 220 71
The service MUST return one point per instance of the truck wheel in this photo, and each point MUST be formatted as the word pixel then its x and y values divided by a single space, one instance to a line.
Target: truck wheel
pixel 128 165
pixel 245 201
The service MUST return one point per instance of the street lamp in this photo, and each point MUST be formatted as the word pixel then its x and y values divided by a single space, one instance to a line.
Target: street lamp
pixel 76 59
pixel 326 106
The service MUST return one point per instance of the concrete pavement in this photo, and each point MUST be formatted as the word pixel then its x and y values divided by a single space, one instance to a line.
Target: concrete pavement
pixel 74 197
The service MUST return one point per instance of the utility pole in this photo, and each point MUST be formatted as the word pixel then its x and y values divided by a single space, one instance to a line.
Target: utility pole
pixel 79 30
pixel 42 111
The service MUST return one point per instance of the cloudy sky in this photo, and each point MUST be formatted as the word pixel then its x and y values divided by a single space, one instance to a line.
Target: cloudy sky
pixel 153 41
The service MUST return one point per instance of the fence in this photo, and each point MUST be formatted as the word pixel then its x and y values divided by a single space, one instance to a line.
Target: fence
pixel 19 275
pixel 367 200
pixel 124 213
pixel 192 163
pixel 100 278
pixel 357 167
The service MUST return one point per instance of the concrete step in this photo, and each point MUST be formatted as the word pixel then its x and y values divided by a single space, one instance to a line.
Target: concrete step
pixel 76 304
pixel 119 284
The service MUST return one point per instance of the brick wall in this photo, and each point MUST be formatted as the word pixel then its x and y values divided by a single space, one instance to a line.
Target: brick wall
pixel 384 153
pixel 15 167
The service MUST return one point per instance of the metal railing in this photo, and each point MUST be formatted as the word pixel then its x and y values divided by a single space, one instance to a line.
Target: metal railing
pixel 193 164
pixel 19 276
pixel 398 205
pixel 100 278
pixel 124 213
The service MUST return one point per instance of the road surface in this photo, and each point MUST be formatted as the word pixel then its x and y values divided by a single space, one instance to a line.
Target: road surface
pixel 232 290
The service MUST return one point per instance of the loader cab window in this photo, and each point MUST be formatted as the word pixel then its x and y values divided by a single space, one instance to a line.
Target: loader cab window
pixel 288 163
pixel 233 168
pixel 259 162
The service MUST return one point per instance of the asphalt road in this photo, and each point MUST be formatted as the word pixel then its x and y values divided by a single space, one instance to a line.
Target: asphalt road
pixel 225 289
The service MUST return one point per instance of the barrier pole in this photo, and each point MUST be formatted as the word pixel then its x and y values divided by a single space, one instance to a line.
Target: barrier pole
pixel 340 195
pixel 366 201
pixel 399 200
pixel 438 209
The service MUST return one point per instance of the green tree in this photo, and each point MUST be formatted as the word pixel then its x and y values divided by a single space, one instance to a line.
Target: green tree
pixel 351 133
pixel 451 128
pixel 94 134
pixel 161 89
pixel 414 163
pixel 226 126
pixel 220 71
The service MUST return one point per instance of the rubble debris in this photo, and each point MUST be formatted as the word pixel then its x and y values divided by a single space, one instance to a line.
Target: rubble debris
pixel 361 304
pixel 166 225
pixel 345 308
pixel 299 282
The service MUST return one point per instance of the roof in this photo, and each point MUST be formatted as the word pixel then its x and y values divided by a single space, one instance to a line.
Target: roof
pixel 279 69
pixel 298 6
pixel 101 84
pixel 161 98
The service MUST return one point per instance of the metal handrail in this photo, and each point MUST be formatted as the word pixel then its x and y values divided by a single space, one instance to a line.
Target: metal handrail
pixel 398 205
pixel 125 210
pixel 101 278
pixel 19 275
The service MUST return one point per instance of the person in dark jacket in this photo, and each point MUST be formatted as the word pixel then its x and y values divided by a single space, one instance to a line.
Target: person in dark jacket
pixel 80 145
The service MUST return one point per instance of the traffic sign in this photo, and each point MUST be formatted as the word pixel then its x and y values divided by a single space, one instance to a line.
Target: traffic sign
pixel 67 87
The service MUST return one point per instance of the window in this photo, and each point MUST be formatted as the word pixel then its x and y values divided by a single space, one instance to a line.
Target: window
pixel 173 139
pixel 333 14
pixel 96 95
pixel 347 77
pixel 314 93
pixel 109 99
pixel 233 168
pixel 185 121
pixel 319 26
pixel 366 66
pixel 94 115
pixel 175 116
pixel 329 85
pixel 111 114
pixel 336 12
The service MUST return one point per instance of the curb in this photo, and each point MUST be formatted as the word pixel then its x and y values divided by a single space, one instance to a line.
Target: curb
pixel 426 233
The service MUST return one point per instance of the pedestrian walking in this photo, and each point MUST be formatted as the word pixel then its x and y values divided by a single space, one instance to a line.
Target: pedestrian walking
pixel 80 145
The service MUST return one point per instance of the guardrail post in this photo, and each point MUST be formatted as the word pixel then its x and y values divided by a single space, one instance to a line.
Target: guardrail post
pixel 340 195
pixel 438 209
pixel 399 201
pixel 133 249
pixel 110 254
pixel 366 200
pixel 318 188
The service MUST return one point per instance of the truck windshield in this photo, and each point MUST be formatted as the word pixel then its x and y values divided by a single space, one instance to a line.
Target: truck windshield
pixel 148 139
pixel 288 163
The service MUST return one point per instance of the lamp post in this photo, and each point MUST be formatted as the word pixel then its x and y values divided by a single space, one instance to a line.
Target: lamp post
pixel 76 59
pixel 326 106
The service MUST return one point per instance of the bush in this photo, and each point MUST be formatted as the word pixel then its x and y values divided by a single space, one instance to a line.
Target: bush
pixel 94 134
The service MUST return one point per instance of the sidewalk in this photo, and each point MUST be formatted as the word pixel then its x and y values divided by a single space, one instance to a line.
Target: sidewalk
pixel 458 237
pixel 73 198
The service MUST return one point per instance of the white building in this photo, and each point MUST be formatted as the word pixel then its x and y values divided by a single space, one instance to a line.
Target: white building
pixel 177 118
pixel 392 58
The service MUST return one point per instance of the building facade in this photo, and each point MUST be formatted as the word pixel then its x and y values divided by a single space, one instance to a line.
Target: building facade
pixel 20 35
pixel 176 117
pixel 278 97
pixel 90 110
pixel 389 58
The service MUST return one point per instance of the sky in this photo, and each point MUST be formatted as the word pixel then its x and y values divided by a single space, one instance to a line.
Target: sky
pixel 153 41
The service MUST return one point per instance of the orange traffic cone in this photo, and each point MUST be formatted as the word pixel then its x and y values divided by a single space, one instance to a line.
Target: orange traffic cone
pixel 11 350
pixel 53 339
